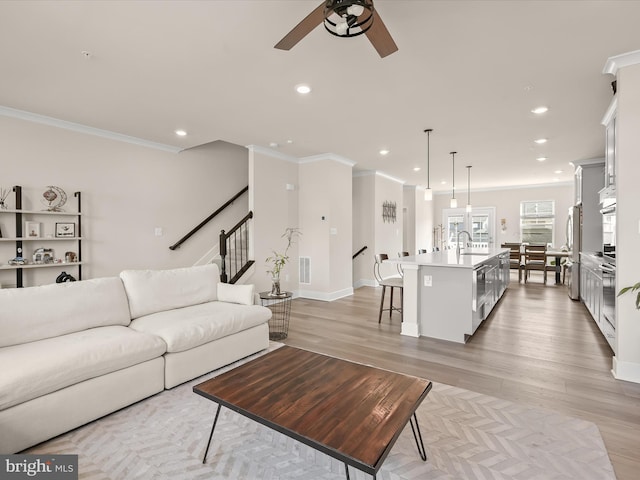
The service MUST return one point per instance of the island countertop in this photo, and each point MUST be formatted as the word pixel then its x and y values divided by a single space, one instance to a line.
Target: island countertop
pixel 447 295
pixel 468 258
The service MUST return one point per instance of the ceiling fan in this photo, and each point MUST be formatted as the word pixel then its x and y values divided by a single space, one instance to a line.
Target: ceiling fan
pixel 344 18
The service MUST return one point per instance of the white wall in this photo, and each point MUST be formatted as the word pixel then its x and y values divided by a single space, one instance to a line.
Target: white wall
pixel 388 235
pixel 326 218
pixel 363 229
pixel 418 220
pixel 424 222
pixel 127 191
pixel 275 209
pixel 626 364
pixel 507 203
pixel 409 219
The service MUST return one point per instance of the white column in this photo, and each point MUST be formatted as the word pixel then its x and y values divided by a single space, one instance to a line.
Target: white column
pixel 411 301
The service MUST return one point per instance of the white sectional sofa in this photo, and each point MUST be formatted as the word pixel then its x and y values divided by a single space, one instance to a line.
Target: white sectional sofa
pixel 73 352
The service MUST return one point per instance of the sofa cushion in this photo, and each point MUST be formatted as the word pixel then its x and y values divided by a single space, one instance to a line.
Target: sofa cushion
pixel 189 327
pixel 242 294
pixel 151 291
pixel 35 313
pixel 45 366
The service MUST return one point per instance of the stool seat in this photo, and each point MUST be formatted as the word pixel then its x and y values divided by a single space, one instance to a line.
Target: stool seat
pixel 392 283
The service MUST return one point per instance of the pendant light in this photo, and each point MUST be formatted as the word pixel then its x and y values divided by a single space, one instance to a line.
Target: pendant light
pixel 469 189
pixel 428 193
pixel 454 202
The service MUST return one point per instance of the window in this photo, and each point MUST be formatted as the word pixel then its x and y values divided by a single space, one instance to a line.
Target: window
pixel 479 224
pixel 536 221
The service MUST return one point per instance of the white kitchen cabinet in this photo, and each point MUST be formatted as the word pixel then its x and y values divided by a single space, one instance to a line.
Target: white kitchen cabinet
pixel 610 123
pixel 591 286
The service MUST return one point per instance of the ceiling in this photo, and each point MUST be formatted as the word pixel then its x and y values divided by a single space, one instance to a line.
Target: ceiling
pixel 470 70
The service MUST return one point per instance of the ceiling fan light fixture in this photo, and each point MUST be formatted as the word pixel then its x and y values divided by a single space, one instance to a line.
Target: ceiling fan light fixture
pixel 348 18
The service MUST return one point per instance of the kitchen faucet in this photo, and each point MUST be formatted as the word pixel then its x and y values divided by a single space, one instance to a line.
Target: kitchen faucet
pixel 458 240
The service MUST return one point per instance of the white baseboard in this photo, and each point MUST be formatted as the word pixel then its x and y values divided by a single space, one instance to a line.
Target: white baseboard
pixel 627 371
pixel 325 297
pixel 364 282
pixel 410 330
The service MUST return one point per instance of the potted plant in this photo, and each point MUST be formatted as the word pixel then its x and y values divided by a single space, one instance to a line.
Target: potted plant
pixel 632 288
pixel 277 261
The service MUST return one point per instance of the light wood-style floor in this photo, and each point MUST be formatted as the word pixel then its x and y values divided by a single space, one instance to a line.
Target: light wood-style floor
pixel 537 347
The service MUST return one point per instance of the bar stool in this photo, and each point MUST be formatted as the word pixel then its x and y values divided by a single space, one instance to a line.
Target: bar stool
pixel 391 282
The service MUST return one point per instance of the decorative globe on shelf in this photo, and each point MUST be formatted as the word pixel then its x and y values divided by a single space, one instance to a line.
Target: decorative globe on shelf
pixel 54 198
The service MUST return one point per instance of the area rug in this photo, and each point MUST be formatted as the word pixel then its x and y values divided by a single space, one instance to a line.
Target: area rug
pixel 467 435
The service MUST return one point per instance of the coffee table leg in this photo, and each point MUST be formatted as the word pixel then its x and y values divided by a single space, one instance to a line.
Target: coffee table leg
pixel 346 469
pixel 419 444
pixel 204 459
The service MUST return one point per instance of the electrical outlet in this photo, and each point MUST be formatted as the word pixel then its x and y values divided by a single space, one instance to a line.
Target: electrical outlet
pixel 428 281
pixel 158 231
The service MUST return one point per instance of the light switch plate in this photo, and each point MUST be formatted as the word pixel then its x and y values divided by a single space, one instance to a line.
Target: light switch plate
pixel 428 281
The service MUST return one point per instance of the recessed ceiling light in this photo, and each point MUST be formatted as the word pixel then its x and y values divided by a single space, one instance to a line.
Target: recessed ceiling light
pixel 540 141
pixel 540 110
pixel 571 163
pixel 274 145
pixel 289 142
pixel 384 152
pixel 304 89
pixel 181 133
pixel 541 159
pixel 443 182
pixel 416 169
pixel 558 172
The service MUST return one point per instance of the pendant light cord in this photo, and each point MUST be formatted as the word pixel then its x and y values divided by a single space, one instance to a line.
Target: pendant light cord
pixel 453 175
pixel 468 184
pixel 428 132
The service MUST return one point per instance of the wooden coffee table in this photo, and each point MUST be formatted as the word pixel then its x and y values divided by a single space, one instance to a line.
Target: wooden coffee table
pixel 352 412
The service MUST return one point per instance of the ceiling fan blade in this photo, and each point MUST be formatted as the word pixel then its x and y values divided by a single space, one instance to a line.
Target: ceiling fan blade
pixel 301 30
pixel 380 37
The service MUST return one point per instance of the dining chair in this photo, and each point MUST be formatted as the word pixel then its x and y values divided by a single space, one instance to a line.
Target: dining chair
pixel 421 251
pixel 515 257
pixel 384 282
pixel 535 259
pixel 400 269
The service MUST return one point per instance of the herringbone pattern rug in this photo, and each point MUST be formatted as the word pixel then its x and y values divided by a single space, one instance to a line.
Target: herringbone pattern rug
pixel 467 436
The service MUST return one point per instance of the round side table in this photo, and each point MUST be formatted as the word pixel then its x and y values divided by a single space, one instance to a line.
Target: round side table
pixel 280 306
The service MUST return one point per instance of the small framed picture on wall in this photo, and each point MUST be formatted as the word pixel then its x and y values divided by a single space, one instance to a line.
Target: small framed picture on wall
pixel 65 230
pixel 31 230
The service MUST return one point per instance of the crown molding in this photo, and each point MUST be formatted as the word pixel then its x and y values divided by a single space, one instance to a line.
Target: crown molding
pixel 269 152
pixel 389 177
pixel 77 127
pixel 328 156
pixel 617 62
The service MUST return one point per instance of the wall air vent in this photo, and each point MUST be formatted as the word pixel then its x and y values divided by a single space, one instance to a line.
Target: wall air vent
pixel 305 270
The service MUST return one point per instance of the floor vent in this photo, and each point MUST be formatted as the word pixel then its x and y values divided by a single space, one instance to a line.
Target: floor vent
pixel 305 266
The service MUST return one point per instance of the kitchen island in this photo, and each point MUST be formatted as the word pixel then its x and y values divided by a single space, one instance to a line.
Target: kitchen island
pixel 448 294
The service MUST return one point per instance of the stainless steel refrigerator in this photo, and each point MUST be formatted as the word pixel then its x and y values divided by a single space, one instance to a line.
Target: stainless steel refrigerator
pixel 574 243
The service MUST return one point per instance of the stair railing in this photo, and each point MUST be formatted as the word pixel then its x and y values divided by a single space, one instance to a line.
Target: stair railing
pixel 359 252
pixel 234 251
pixel 208 219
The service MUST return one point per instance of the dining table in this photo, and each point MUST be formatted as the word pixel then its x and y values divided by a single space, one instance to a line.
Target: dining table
pixel 558 255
